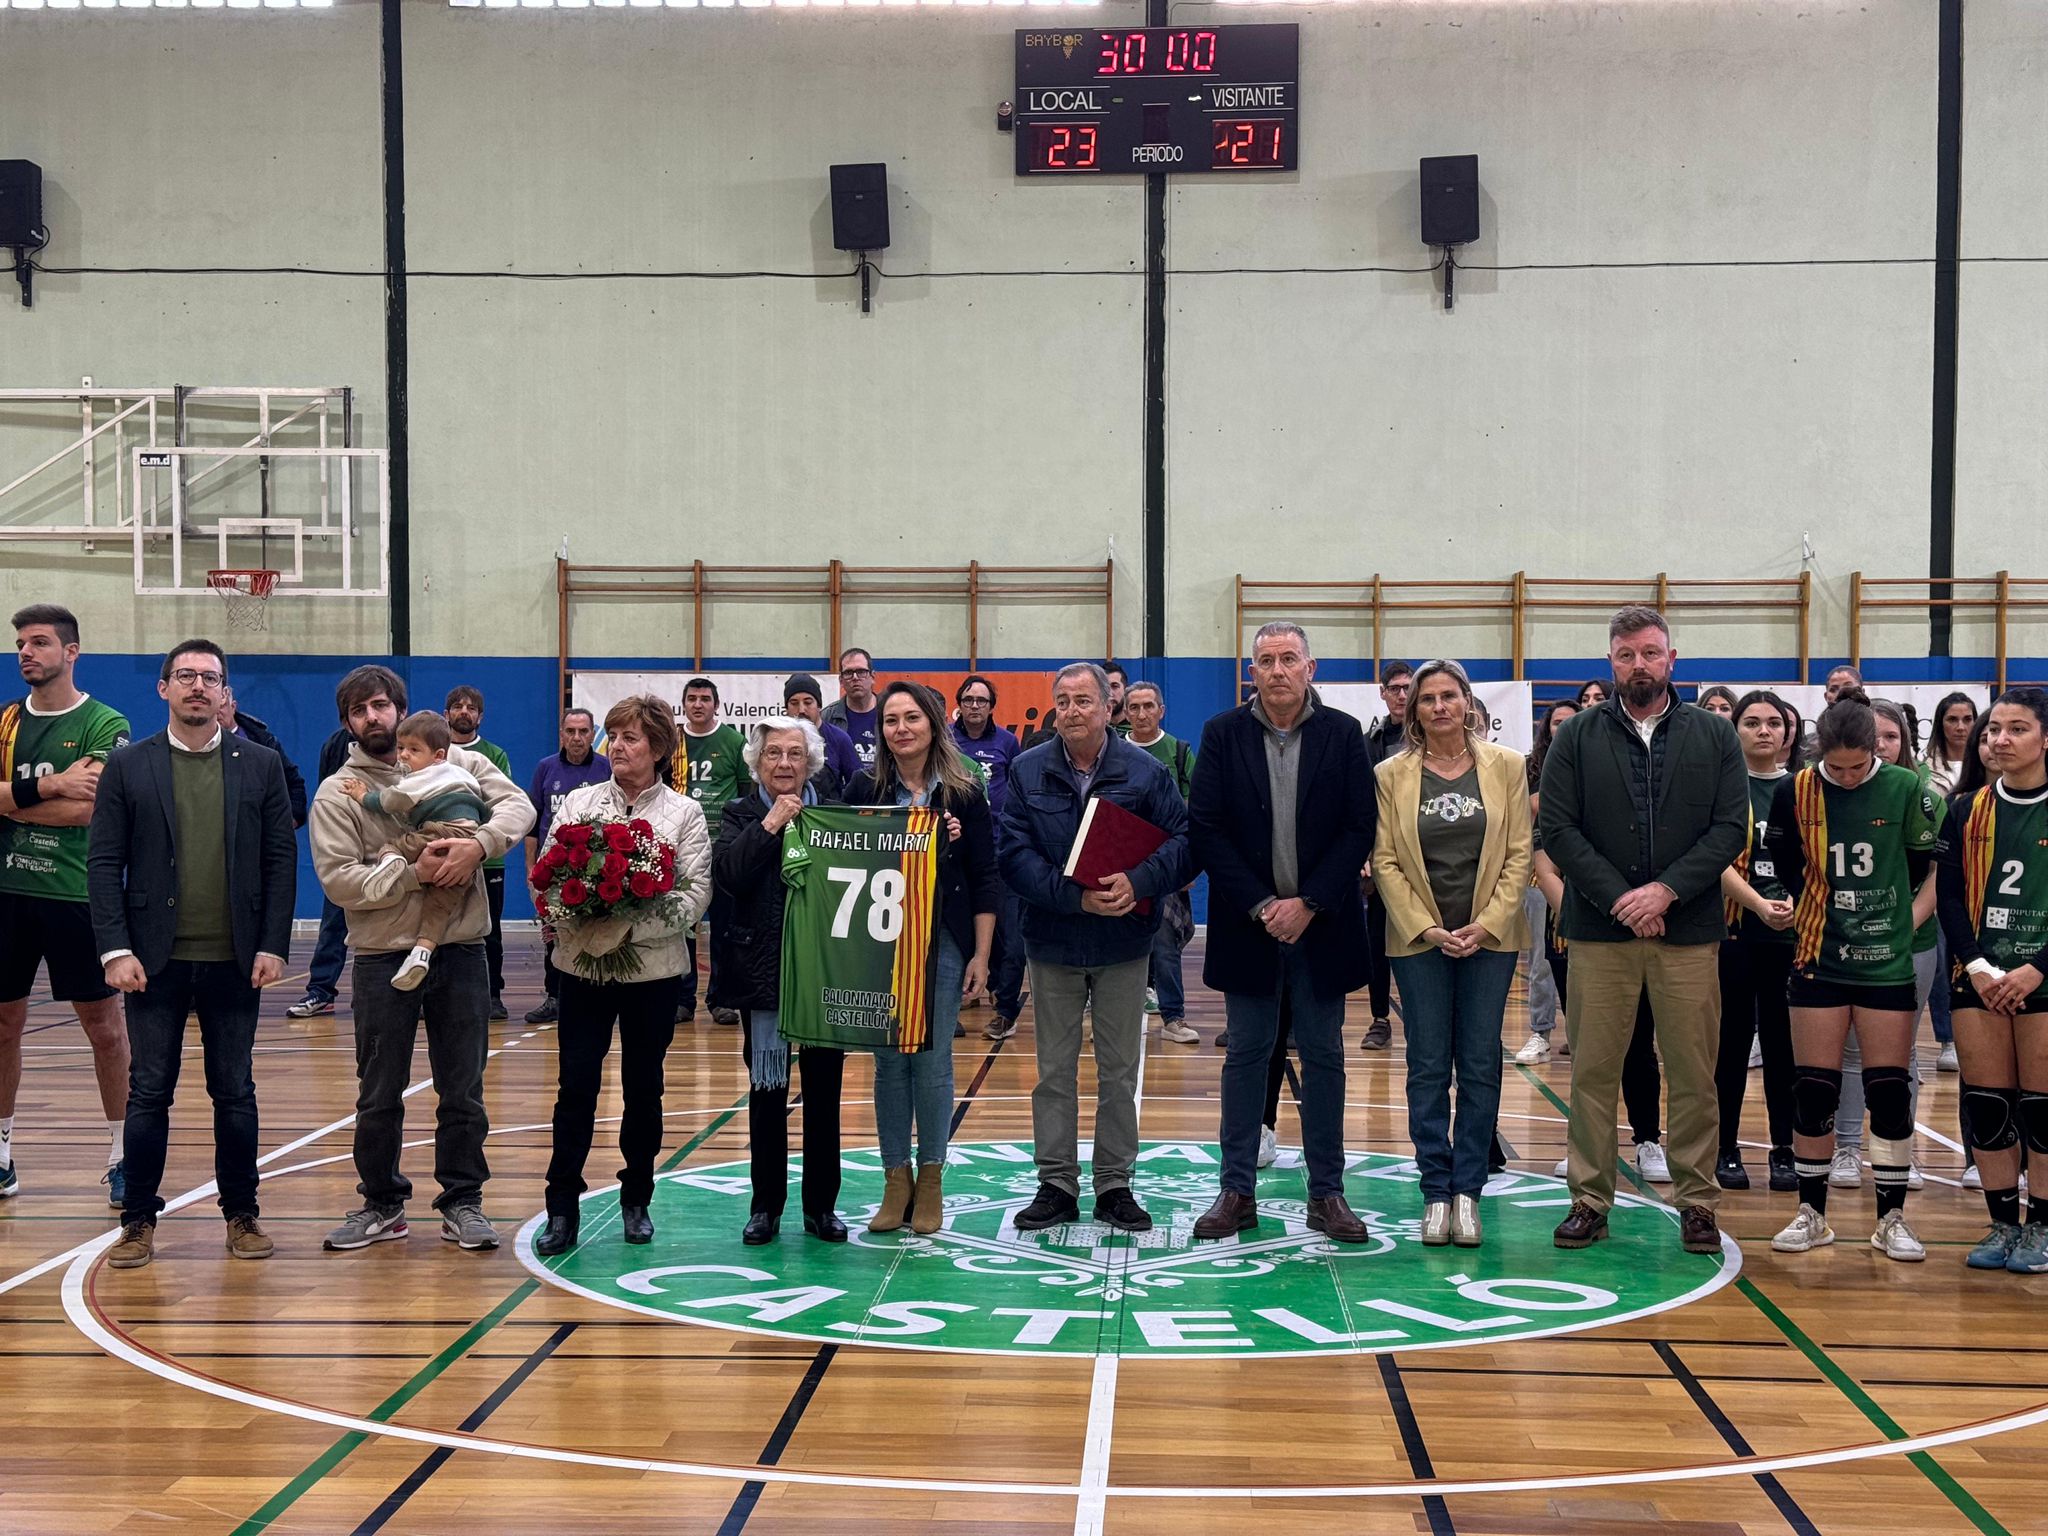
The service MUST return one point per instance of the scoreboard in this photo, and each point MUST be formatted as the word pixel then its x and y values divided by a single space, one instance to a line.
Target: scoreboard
pixel 1099 102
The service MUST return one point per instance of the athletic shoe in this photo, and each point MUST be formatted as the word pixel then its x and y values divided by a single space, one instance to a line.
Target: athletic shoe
pixel 1729 1172
pixel 369 1225
pixel 246 1240
pixel 498 1009
pixel 383 880
pixel 1563 1165
pixel 1535 1050
pixel 1269 1145
pixel 1116 1208
pixel 413 969
pixel 1808 1230
pixel 999 1028
pixel 116 1180
pixel 959 1030
pixel 1972 1179
pixel 1846 1171
pixel 1945 1059
pixel 1784 1172
pixel 2031 1256
pixel 1378 1035
pixel 10 1182
pixel 1915 1179
pixel 729 1017
pixel 685 1012
pixel 1895 1240
pixel 1651 1162
pixel 1996 1249
pixel 311 1006
pixel 1222 1039
pixel 1151 999
pixel 136 1248
pixel 547 1013
pixel 1756 1054
pixel 1051 1207
pixel 1179 1031
pixel 465 1225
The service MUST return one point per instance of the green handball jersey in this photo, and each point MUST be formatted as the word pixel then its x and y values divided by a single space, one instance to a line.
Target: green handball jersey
pixel 711 771
pixel 2005 876
pixel 50 861
pixel 1854 922
pixel 1758 866
pixel 858 917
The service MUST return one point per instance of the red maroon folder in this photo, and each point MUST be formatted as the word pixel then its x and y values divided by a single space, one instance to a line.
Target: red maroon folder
pixel 1112 841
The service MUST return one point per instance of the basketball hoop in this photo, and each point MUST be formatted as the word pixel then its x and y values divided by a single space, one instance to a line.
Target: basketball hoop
pixel 246 595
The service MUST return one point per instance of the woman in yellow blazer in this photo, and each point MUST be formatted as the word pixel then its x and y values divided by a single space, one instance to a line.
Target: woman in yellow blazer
pixel 1451 863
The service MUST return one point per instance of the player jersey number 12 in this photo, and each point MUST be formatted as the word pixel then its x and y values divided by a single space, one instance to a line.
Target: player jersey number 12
pixel 858 917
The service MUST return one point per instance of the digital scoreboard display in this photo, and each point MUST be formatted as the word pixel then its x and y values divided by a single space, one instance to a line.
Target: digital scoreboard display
pixel 1113 102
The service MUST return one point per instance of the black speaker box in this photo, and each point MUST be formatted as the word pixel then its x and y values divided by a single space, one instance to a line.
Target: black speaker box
pixel 21 203
pixel 860 207
pixel 1450 200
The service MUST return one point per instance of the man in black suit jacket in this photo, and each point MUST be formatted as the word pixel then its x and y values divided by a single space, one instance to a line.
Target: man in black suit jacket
pixel 191 873
pixel 1281 815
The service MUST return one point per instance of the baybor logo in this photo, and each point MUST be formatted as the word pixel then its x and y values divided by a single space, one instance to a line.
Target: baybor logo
pixel 1085 1289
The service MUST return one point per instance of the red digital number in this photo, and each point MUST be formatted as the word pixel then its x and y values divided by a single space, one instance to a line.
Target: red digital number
pixel 1134 53
pixel 1202 53
pixel 1108 55
pixel 1084 147
pixel 1057 146
pixel 1064 147
pixel 1239 143
pixel 1232 144
pixel 1273 153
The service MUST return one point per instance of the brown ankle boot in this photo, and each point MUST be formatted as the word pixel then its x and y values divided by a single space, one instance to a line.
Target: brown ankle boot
pixel 895 1201
pixel 931 1200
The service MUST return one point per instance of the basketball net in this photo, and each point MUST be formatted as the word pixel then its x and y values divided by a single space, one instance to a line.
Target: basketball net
pixel 245 595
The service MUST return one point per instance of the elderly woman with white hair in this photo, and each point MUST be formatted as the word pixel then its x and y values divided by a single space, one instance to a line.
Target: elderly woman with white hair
pixel 784 756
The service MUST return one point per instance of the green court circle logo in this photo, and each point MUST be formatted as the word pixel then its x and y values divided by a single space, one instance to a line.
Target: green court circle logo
pixel 980 1285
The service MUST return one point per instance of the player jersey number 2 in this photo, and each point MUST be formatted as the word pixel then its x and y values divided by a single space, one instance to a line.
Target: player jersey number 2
pixel 885 888
pixel 2011 870
pixel 1859 860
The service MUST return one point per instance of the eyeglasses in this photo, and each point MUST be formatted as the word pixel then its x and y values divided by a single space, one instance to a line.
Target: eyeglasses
pixel 185 677
pixel 850 673
pixel 975 698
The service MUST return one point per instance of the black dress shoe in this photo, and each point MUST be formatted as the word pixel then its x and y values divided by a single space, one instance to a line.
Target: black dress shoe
pixel 1051 1207
pixel 1332 1216
pixel 826 1225
pixel 638 1224
pixel 1583 1226
pixel 761 1228
pixel 1784 1175
pixel 558 1236
pixel 1729 1172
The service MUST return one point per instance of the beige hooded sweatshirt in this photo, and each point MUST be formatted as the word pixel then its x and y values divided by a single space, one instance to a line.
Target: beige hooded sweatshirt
pixel 346 838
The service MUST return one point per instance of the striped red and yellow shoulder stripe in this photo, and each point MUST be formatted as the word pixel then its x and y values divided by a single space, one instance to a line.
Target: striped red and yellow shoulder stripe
pixel 1810 919
pixel 911 978
pixel 1979 831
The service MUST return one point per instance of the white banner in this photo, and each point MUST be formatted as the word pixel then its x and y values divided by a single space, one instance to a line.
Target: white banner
pixel 1508 707
pixel 1924 697
pixel 743 697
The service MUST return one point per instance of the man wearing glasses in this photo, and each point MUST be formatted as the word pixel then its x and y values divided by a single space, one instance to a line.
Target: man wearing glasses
pixel 53 746
pixel 855 710
pixel 192 869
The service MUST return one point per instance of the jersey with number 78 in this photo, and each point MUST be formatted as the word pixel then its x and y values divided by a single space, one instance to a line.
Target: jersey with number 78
pixel 1854 918
pixel 858 917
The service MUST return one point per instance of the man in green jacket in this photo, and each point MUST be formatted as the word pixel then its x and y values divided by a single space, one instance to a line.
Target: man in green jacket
pixel 1644 804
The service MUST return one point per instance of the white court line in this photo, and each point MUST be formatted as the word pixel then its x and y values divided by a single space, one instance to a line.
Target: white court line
pixel 1093 1507
pixel 93 1245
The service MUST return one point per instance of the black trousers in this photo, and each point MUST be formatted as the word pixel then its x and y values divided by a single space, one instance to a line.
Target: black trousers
pixel 818 1072
pixel 1381 985
pixel 494 942
pixel 1753 973
pixel 645 1013
pixel 226 1004
pixel 1641 1089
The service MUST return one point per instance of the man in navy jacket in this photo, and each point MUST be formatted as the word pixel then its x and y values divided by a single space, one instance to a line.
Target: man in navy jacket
pixel 1087 946
pixel 1282 815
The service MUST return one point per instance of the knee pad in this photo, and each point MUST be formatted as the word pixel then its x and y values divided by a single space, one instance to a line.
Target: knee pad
pixel 1994 1117
pixel 1816 1092
pixel 2033 1116
pixel 1888 1095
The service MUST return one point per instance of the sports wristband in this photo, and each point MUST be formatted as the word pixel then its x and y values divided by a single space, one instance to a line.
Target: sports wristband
pixel 27 792
pixel 1982 967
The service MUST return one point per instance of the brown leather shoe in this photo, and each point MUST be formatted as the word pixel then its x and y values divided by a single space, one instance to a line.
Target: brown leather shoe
pixel 1582 1227
pixel 1231 1213
pixel 136 1248
pixel 1332 1217
pixel 1698 1229
pixel 246 1240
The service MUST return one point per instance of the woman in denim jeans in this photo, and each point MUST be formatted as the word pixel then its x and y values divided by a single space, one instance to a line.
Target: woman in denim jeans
pixel 920 764
pixel 1451 862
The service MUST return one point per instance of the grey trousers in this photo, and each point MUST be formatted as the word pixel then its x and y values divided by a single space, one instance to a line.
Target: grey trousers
pixel 1535 961
pixel 1059 993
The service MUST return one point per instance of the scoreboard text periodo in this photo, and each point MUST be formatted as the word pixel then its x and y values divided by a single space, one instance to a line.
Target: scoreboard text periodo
pixel 1092 101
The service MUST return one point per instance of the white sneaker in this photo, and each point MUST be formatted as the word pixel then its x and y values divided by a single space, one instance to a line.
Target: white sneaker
pixel 414 970
pixel 1179 1031
pixel 1915 1179
pixel 1269 1145
pixel 1846 1171
pixel 1559 1170
pixel 1151 999
pixel 1756 1054
pixel 1972 1179
pixel 383 880
pixel 1895 1240
pixel 1808 1229
pixel 1651 1163
pixel 1945 1059
pixel 1534 1050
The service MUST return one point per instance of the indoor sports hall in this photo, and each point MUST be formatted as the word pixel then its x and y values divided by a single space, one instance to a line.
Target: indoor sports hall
pixel 428 429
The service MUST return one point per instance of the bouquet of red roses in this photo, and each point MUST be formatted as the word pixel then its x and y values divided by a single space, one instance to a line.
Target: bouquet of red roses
pixel 599 878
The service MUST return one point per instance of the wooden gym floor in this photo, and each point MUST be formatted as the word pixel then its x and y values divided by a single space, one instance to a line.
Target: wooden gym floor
pixel 412 1387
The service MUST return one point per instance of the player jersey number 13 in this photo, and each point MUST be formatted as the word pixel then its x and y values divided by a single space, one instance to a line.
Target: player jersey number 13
pixel 860 910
